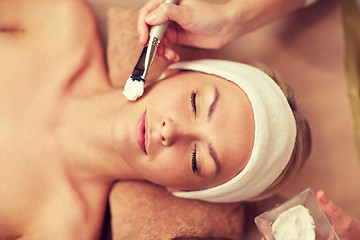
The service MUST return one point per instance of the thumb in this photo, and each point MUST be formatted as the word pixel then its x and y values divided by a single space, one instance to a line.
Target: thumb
pixel 332 211
pixel 345 226
pixel 166 11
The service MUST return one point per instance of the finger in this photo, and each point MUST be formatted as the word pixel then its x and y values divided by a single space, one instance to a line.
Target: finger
pixel 345 226
pixel 171 34
pixel 160 14
pixel 171 55
pixel 160 50
pixel 142 27
pixel 338 218
pixel 166 52
pixel 166 11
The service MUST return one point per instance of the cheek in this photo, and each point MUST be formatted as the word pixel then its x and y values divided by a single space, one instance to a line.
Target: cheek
pixel 124 137
pixel 168 101
pixel 173 108
pixel 170 169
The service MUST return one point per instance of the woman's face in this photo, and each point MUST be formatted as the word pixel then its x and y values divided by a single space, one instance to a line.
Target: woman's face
pixel 191 131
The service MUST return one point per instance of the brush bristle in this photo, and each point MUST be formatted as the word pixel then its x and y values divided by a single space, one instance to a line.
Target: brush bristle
pixel 133 89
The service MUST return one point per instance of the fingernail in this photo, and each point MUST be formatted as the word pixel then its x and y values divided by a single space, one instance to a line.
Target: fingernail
pixel 324 198
pixel 167 56
pixel 177 58
pixel 150 17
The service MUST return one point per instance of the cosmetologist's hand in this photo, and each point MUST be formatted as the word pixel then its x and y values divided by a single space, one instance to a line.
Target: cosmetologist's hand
pixel 199 24
pixel 346 227
pixel 208 25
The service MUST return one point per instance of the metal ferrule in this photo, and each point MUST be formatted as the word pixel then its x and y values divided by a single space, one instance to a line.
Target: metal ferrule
pixel 154 41
pixel 150 54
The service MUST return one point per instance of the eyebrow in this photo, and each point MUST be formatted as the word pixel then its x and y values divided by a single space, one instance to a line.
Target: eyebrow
pixel 215 158
pixel 210 114
pixel 213 104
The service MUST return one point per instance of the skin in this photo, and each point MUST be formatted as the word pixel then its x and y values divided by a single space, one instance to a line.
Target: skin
pixel 66 134
pixel 346 226
pixel 58 150
pixel 208 24
pixel 174 129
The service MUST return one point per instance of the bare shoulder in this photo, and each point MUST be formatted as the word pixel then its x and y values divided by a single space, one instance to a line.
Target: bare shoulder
pixel 45 34
pixel 33 16
pixel 44 23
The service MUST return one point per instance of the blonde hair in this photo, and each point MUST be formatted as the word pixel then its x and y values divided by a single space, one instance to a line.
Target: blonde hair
pixel 302 145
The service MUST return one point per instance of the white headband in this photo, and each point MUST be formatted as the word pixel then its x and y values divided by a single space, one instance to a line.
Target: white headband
pixel 275 131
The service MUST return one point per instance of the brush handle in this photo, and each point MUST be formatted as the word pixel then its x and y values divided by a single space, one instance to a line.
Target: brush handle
pixel 158 31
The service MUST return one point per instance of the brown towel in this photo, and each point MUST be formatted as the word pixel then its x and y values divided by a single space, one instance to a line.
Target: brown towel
pixel 141 210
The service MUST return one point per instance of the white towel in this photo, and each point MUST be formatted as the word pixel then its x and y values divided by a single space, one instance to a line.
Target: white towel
pixel 275 131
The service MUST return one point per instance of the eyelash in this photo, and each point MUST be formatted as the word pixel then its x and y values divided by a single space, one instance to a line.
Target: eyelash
pixel 193 160
pixel 193 101
pixel 193 154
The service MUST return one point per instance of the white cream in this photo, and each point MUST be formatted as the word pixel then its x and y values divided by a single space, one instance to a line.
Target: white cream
pixel 133 89
pixel 295 223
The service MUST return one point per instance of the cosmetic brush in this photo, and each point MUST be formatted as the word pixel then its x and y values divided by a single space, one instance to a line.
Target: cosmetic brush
pixel 134 86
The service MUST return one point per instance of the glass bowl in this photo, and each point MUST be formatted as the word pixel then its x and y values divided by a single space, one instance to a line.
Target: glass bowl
pixel 322 226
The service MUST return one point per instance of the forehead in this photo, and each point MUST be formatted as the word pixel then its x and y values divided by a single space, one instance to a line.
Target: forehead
pixel 236 130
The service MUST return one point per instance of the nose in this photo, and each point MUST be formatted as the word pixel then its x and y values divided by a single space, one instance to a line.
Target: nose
pixel 171 132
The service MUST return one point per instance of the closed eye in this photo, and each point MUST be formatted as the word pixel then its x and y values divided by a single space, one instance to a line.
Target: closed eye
pixel 193 101
pixel 193 160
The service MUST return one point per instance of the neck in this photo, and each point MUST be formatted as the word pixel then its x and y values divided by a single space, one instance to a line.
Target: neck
pixel 86 141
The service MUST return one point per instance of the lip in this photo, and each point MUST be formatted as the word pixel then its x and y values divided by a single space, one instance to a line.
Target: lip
pixel 146 135
pixel 141 133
